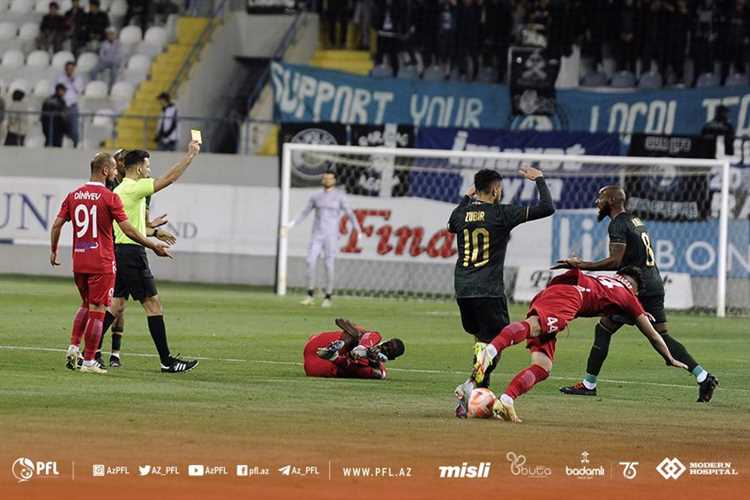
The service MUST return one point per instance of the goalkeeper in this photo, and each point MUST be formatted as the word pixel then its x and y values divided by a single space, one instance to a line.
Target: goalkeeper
pixel 352 352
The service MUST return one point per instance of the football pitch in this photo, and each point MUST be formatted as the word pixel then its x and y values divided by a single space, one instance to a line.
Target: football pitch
pixel 248 402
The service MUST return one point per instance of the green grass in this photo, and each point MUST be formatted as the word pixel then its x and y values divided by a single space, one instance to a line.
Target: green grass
pixel 261 398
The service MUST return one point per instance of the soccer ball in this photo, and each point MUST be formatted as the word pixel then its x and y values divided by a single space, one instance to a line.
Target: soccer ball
pixel 481 402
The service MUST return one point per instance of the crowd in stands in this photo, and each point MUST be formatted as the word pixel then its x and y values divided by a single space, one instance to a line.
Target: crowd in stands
pixel 70 51
pixel 463 36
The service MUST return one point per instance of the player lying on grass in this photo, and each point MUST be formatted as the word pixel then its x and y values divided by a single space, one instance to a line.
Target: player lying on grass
pixel 352 352
pixel 630 245
pixel 568 296
pixel 92 208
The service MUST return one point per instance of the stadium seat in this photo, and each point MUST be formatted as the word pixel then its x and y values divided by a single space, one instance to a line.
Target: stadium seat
pixel 61 58
pixel 153 42
pixel 8 30
pixel 408 73
pixel 12 59
pixel 117 11
pixel 38 59
pixel 650 80
pixel 137 69
pixel 122 93
pixel 100 129
pixel 42 88
pixel 42 7
pixel 94 97
pixel 19 84
pixel 456 76
pixel 130 36
pixel 86 62
pixel 381 71
pixel 434 74
pixel 594 79
pixel 735 80
pixel 708 80
pixel 623 80
pixel 95 90
pixel 29 32
pixel 22 11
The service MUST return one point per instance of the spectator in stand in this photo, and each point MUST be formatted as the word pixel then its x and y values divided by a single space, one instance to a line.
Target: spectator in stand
pixel 678 26
pixel 73 89
pixel 18 120
pixel 166 130
pixel 163 9
pixel 389 25
pixel 54 119
pixel 75 21
pixel 337 15
pixel 498 27
pixel 97 22
pixel 110 57
pixel 362 17
pixel 52 30
pixel 140 9
pixel 468 40
pixel 736 39
pixel 447 32
pixel 629 36
pixel 704 36
pixel 719 126
pixel 423 30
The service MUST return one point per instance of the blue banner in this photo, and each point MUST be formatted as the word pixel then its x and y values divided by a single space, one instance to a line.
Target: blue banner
pixel 681 247
pixel 307 94
pixel 569 187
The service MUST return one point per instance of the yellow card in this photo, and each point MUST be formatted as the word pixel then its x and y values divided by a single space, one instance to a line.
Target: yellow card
pixel 196 136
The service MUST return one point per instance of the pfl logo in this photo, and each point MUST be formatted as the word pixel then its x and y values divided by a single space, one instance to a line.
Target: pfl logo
pixel 24 469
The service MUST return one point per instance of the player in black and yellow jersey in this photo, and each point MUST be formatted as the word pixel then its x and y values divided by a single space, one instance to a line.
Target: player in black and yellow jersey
pixel 482 227
pixel 630 245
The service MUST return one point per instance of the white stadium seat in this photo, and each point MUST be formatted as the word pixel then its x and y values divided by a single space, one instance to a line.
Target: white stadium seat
pixel 38 59
pixel 12 59
pixel 42 88
pixel 100 128
pixel 130 36
pixel 121 94
pixel 21 6
pixel 96 90
pixel 29 31
pixel 22 11
pixel 8 30
pixel 42 7
pixel 137 69
pixel 156 36
pixel 86 62
pixel 4 4
pixel 19 84
pixel 61 58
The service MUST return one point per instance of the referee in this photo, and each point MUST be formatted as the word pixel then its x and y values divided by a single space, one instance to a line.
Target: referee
pixel 134 278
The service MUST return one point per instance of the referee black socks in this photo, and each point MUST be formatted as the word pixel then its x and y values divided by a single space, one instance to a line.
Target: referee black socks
pixel 159 335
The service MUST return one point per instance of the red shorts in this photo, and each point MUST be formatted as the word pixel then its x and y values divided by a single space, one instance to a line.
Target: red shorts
pixel 95 289
pixel 314 366
pixel 556 306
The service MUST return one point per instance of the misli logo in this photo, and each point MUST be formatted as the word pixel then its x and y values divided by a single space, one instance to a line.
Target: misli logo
pixel 465 471
pixel 24 469
pixel 671 468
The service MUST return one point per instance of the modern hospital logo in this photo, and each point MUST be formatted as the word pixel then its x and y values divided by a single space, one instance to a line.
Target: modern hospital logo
pixel 671 468
pixel 24 469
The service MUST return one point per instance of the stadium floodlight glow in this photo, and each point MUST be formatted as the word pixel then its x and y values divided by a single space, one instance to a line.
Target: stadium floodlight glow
pixel 463 162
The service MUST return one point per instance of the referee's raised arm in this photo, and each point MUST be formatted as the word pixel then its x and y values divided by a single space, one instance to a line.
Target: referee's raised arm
pixel 178 168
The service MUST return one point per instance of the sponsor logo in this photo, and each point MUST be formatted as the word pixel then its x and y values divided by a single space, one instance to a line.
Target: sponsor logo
pixel 586 470
pixel 293 470
pixel 24 469
pixel 307 165
pixel 244 470
pixel 101 470
pixel 629 470
pixel 465 471
pixel 518 467
pixel 712 469
pixel 671 468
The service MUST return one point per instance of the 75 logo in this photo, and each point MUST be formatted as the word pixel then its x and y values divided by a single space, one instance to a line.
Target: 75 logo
pixel 629 470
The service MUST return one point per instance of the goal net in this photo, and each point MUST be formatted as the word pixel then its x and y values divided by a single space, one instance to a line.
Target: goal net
pixel 402 199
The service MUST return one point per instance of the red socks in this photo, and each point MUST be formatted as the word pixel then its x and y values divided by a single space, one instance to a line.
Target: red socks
pixel 93 333
pixel 79 323
pixel 511 334
pixel 525 380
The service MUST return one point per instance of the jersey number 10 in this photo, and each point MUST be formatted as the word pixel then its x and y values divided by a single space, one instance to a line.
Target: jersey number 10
pixel 83 220
pixel 475 254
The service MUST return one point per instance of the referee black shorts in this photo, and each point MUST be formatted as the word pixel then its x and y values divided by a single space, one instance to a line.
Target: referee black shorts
pixel 134 278
pixel 483 317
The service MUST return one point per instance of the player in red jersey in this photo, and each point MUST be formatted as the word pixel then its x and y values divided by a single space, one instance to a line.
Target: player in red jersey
pixel 352 352
pixel 92 208
pixel 568 296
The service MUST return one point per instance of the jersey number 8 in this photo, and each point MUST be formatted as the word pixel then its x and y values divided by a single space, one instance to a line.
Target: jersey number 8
pixel 83 220
pixel 473 253
pixel 650 259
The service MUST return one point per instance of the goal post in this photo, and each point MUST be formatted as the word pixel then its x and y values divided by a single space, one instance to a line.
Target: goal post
pixel 385 179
